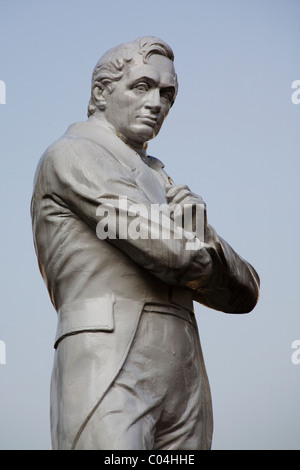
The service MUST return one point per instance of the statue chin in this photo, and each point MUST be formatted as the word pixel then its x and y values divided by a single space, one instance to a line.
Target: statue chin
pixel 139 138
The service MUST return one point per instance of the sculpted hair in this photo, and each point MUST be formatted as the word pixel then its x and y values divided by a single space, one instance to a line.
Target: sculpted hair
pixel 109 68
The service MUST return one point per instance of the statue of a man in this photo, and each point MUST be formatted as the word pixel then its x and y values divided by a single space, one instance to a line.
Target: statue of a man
pixel 128 370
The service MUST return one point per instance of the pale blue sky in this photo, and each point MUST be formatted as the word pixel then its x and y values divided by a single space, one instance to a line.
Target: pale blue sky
pixel 232 136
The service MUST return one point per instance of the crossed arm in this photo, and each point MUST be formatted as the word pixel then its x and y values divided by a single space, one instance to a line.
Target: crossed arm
pixel 232 284
pixel 217 275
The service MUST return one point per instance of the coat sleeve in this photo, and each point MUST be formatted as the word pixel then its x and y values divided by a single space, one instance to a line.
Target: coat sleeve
pixel 232 285
pixel 87 182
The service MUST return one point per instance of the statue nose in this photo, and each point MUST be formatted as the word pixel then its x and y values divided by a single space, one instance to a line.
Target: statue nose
pixel 153 101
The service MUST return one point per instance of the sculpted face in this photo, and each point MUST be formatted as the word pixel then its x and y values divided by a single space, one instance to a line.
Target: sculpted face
pixel 140 101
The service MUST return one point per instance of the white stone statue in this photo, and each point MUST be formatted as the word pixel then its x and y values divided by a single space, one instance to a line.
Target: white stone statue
pixel 128 370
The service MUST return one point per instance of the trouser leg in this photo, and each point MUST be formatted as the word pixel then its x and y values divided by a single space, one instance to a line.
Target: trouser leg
pixel 161 397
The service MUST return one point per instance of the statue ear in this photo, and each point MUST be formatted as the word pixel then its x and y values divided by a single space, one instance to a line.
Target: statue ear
pixel 98 93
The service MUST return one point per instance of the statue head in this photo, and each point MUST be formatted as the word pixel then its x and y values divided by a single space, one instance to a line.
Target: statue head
pixel 134 85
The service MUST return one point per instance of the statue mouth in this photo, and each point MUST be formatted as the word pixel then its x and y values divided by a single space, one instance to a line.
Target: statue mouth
pixel 149 120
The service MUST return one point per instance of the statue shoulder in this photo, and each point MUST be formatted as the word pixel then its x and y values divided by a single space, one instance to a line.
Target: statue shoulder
pixel 65 153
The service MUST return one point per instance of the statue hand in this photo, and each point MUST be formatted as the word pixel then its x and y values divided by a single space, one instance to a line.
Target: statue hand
pixel 181 194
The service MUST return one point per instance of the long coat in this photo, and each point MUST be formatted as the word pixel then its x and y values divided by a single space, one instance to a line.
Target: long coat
pixel 100 286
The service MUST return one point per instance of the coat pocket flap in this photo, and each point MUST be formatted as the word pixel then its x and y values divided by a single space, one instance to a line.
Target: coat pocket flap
pixel 87 315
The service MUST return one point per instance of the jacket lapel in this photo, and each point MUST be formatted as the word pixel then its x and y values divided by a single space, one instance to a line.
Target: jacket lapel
pixel 151 184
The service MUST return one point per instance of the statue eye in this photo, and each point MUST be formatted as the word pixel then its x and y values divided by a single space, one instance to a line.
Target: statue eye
pixel 168 94
pixel 142 87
